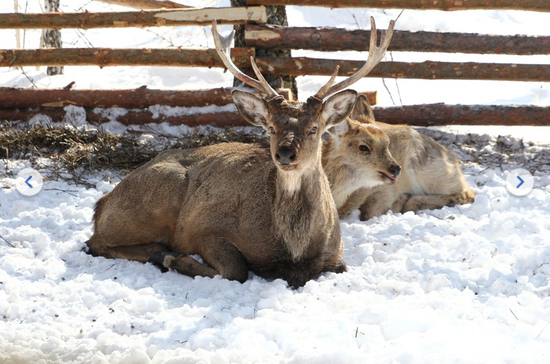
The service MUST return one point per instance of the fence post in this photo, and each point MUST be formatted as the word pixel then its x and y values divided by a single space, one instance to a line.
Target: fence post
pixel 51 38
pixel 275 15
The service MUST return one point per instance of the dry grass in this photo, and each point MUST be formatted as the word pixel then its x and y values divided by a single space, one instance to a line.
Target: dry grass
pixel 75 153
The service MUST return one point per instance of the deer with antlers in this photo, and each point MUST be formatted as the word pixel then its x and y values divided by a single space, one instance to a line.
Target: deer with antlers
pixel 241 207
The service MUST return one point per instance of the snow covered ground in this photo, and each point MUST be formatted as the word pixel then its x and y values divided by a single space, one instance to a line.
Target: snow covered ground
pixel 467 284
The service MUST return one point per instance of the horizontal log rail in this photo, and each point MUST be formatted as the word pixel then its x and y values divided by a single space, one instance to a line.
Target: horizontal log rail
pixel 145 18
pixel 334 39
pixel 147 4
pixel 417 115
pixel 133 117
pixel 140 98
pixel 297 66
pixel 445 5
pixel 104 57
pixel 300 66
pixel 442 114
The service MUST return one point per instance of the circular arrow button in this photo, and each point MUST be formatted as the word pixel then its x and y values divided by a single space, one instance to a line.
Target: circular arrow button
pixel 29 182
pixel 520 182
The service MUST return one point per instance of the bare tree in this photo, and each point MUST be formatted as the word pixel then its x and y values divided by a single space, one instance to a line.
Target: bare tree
pixel 51 38
pixel 275 15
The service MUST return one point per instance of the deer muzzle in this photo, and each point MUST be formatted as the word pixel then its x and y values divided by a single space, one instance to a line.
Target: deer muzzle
pixel 391 174
pixel 285 156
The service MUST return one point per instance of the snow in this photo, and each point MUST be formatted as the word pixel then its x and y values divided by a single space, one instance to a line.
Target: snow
pixel 465 284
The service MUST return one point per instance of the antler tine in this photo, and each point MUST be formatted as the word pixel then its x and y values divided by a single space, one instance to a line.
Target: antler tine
pixel 324 89
pixel 267 87
pixel 376 54
pixel 222 47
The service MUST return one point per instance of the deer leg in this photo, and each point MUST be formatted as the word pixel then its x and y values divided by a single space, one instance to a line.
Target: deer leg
pixel 222 258
pixel 427 202
pixel 181 263
pixel 222 255
pixel 353 202
pixel 398 204
pixel 433 202
pixel 379 201
pixel 138 252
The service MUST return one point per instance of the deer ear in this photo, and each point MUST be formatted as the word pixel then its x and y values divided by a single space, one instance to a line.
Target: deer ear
pixel 339 129
pixel 338 107
pixel 251 107
pixel 362 110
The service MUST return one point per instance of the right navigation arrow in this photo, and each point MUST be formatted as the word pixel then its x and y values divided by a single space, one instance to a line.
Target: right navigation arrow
pixel 520 183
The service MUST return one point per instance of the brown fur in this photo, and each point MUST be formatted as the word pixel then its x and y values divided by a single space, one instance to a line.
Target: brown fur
pixel 357 154
pixel 430 179
pixel 240 207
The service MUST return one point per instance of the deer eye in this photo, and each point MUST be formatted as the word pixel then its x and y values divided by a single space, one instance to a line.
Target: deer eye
pixel 313 131
pixel 364 148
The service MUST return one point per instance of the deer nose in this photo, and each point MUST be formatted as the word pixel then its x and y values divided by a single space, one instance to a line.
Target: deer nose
pixel 285 155
pixel 395 170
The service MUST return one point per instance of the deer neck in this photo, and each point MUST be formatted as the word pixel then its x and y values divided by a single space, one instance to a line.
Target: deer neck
pixel 289 182
pixel 300 206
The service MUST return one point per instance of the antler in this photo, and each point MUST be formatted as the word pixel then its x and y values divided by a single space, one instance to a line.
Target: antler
pixel 222 47
pixel 375 56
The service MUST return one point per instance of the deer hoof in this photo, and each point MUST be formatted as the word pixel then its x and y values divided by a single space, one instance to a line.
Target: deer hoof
pixel 162 259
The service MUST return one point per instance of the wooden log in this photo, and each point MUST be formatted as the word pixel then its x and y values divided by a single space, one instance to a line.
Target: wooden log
pixel 372 96
pixel 446 5
pixel 103 57
pixel 132 117
pixel 441 114
pixel 221 119
pixel 130 99
pixel 146 4
pixel 334 39
pixel 418 115
pixel 147 18
pixel 300 66
pixel 141 98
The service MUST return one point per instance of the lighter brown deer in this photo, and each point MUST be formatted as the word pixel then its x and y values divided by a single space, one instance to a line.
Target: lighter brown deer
pixel 241 207
pixel 355 156
pixel 430 176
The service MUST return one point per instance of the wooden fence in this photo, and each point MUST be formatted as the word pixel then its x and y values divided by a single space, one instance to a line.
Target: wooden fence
pixel 260 35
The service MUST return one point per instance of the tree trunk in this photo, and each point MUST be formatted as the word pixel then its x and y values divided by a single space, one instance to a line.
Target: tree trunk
pixel 17 31
pixel 51 38
pixel 276 15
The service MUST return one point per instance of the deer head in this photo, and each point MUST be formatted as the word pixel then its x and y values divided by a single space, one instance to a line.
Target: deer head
pixel 295 128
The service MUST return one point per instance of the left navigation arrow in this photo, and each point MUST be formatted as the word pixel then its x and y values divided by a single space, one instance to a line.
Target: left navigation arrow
pixel 27 181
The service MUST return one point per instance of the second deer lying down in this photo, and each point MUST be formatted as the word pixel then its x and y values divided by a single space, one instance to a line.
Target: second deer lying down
pixel 378 167
pixel 240 207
